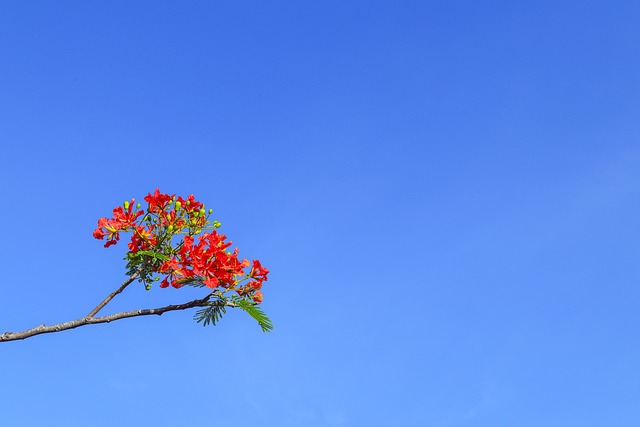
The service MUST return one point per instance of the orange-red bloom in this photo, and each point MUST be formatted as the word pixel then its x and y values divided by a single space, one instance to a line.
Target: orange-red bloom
pixel 157 201
pixel 207 261
pixel 257 297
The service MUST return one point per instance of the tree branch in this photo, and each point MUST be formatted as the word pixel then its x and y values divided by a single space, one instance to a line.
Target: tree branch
pixel 89 320
pixel 126 283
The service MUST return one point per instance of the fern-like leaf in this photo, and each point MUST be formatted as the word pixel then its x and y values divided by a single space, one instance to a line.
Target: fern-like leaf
pixel 256 312
pixel 211 313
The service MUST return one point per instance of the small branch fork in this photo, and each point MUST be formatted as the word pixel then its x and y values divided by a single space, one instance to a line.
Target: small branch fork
pixel 106 301
pixel 90 319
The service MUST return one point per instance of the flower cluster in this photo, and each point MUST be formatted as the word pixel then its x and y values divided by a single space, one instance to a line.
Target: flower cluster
pixel 174 238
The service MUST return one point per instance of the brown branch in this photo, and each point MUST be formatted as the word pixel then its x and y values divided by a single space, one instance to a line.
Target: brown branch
pixel 126 283
pixel 89 320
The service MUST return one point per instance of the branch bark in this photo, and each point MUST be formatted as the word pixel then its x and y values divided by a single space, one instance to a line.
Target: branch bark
pixel 89 320
pixel 126 283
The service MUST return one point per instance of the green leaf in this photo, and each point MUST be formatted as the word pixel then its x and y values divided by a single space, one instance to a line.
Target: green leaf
pixel 254 311
pixel 211 314
pixel 154 255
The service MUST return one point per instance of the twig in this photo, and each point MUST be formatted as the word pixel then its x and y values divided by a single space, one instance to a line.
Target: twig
pixel 126 283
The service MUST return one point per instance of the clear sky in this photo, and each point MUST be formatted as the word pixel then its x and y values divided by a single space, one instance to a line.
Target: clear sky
pixel 446 194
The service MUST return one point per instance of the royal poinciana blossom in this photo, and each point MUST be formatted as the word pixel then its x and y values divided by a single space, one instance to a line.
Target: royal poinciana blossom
pixel 174 242
pixel 174 239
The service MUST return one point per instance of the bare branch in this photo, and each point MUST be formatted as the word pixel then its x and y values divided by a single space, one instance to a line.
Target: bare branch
pixel 126 283
pixel 89 320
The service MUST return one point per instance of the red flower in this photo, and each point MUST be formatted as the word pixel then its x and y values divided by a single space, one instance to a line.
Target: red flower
pixel 126 217
pixel 121 221
pixel 99 233
pixel 257 297
pixel 142 239
pixel 258 271
pixel 174 273
pixel 157 201
pixel 164 283
pixel 190 205
pixel 211 282
pixel 113 229
pixel 112 242
pixel 170 219
pixel 209 261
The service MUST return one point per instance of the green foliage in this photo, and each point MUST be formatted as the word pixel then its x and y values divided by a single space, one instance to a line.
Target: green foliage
pixel 254 311
pixel 148 260
pixel 196 283
pixel 211 313
pixel 153 254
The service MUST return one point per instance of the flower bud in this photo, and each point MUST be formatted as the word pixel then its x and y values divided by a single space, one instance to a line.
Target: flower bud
pixel 188 202
pixel 170 228
pixel 147 286
pixel 178 205
pixel 210 211
pixel 138 206
pixel 216 224
pixel 126 204
pixel 202 211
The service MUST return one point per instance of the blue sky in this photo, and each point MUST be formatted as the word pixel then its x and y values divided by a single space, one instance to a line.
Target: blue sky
pixel 445 192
